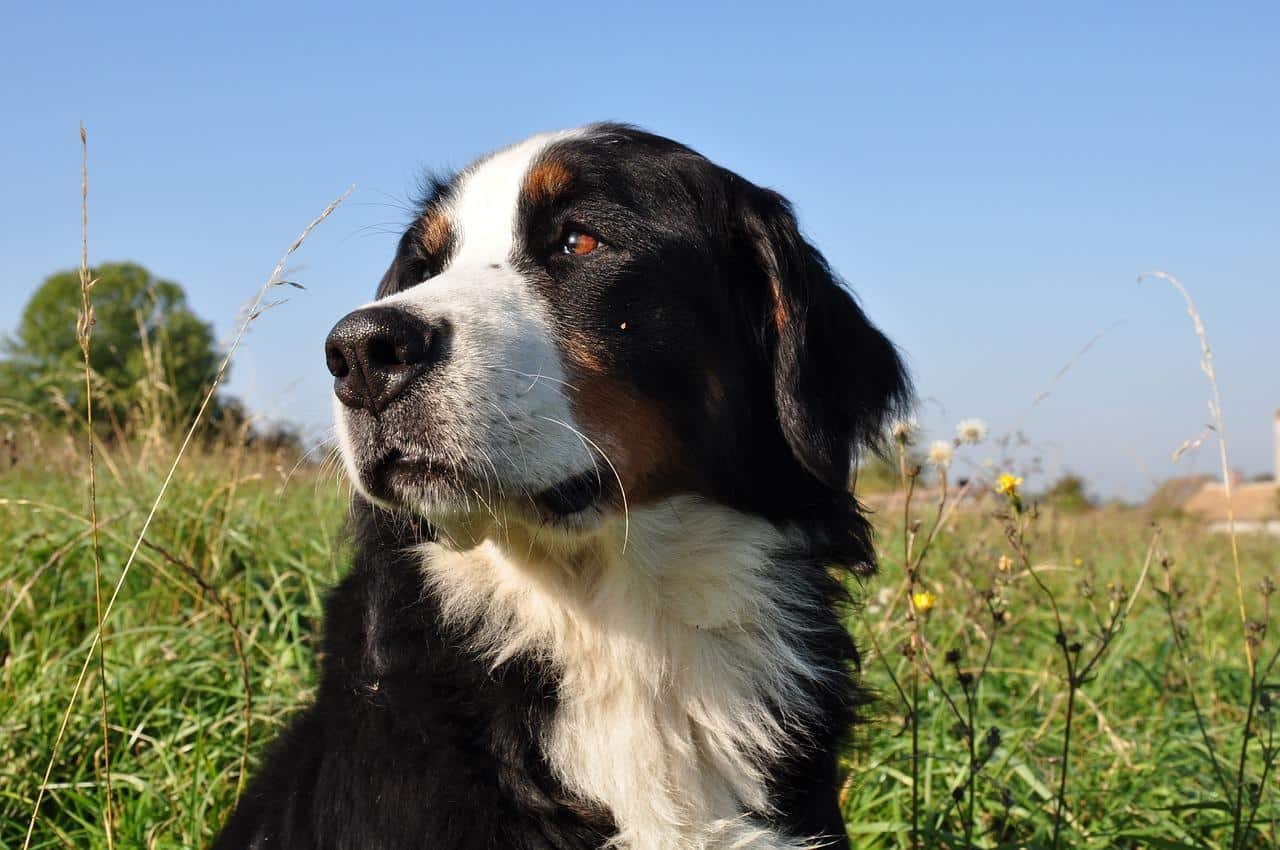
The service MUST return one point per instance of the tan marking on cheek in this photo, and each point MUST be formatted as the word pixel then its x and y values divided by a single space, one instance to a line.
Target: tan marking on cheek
pixel 631 429
pixel 546 180
pixel 584 354
pixel 435 233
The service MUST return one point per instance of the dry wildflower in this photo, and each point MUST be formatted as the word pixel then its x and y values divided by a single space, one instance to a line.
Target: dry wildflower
pixel 971 431
pixel 1008 485
pixel 940 453
pixel 904 431
pixel 923 601
pixel 882 600
pixel 1005 564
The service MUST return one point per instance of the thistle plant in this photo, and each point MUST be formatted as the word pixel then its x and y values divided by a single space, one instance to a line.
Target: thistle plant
pixel 958 683
pixel 1080 649
pixel 955 673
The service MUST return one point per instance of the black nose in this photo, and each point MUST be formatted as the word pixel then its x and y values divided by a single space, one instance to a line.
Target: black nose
pixel 373 354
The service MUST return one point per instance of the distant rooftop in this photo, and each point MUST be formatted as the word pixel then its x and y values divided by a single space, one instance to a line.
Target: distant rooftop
pixel 1253 502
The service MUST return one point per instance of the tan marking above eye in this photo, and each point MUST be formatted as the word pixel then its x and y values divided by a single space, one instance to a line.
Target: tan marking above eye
pixel 579 244
pixel 435 233
pixel 546 180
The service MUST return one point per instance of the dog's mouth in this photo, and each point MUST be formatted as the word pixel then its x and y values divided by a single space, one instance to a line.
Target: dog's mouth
pixel 572 495
pixel 397 474
pixel 407 478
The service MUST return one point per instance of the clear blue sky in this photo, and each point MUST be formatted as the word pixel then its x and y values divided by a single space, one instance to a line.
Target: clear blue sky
pixel 990 179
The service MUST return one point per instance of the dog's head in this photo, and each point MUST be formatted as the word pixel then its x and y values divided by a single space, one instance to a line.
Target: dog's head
pixel 603 318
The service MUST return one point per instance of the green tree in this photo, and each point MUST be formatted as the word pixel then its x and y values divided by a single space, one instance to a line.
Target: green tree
pixel 150 354
pixel 1068 494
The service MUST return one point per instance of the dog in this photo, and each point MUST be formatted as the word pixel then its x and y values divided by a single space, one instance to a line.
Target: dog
pixel 600 420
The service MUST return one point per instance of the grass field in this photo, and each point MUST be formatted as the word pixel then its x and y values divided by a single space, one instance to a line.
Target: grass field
pixel 226 588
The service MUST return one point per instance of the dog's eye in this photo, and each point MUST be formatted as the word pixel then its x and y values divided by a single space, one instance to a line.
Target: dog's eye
pixel 578 243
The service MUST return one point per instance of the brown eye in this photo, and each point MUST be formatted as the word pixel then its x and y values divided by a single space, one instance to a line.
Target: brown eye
pixel 579 244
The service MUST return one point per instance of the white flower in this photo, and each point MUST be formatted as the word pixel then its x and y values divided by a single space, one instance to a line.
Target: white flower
pixel 940 453
pixel 883 598
pixel 903 431
pixel 972 431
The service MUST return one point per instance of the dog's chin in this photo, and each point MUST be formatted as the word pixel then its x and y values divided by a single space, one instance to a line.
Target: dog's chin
pixel 402 481
pixel 467 506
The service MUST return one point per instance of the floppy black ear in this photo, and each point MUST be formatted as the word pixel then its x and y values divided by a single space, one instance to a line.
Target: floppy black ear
pixel 836 377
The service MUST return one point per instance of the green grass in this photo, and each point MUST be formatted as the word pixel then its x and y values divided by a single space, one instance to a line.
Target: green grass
pixel 269 546
pixel 1140 774
pixel 240 541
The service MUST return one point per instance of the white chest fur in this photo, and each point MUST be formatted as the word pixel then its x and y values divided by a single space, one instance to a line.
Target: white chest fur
pixel 676 657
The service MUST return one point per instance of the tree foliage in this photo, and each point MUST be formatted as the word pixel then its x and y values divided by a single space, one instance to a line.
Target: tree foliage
pixel 151 355
pixel 1069 494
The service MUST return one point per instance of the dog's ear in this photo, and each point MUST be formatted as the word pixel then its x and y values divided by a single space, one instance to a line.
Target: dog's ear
pixel 837 379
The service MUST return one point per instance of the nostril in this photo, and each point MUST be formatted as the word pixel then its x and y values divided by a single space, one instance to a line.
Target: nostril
pixel 401 349
pixel 336 361
pixel 412 350
pixel 380 352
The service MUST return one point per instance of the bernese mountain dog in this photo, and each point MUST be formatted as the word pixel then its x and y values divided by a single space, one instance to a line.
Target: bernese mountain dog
pixel 600 420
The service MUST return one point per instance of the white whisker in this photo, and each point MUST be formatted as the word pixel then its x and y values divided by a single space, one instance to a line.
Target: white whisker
pixel 626 513
pixel 536 378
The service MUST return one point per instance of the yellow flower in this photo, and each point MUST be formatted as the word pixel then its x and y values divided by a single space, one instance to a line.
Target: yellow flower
pixel 1005 564
pixel 923 601
pixel 1008 485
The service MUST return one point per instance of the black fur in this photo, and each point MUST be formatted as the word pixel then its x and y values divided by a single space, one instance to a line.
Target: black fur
pixel 412 741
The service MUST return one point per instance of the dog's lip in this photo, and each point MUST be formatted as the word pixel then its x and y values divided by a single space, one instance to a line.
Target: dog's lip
pixel 400 462
pixel 396 472
pixel 572 495
pixel 399 467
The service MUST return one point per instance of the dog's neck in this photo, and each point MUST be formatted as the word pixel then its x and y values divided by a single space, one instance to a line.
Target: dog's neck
pixel 673 635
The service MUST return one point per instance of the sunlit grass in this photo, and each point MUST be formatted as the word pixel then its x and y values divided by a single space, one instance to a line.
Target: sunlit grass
pixel 266 539
pixel 1140 775
pixel 235 525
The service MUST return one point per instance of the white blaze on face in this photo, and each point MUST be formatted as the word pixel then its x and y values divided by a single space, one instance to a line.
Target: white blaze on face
pixel 497 403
